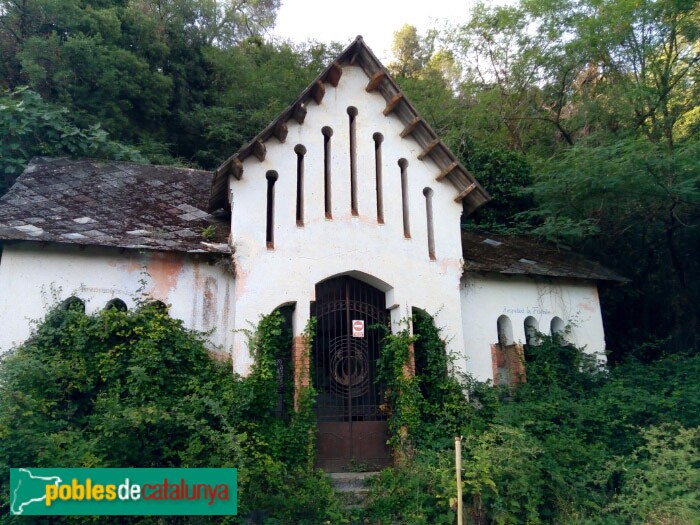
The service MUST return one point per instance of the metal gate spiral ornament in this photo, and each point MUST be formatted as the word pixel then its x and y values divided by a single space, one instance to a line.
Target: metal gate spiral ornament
pixel 349 366
pixel 351 426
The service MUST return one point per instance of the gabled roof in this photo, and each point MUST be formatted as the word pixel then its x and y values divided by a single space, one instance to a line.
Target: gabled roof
pixel 139 206
pixel 119 204
pixel 519 255
pixel 467 189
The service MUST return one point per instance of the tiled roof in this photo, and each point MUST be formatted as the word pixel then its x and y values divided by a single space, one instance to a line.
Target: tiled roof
pixel 119 204
pixel 511 255
pixel 139 206
pixel 467 188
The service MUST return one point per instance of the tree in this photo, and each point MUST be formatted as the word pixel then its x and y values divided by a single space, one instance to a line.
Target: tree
pixel 601 98
pixel 411 51
pixel 115 389
pixel 30 126
pixel 139 68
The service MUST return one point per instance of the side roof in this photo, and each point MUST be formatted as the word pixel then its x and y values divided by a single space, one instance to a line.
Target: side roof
pixel 467 189
pixel 118 204
pixel 510 255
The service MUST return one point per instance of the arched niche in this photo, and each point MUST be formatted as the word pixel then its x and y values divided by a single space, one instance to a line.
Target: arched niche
pixel 505 331
pixel 557 327
pixel 532 328
pixel 116 304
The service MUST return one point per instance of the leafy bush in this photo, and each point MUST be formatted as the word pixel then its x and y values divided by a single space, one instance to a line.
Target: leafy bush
pixel 136 389
pixel 416 491
pixel 661 478
pixel 575 444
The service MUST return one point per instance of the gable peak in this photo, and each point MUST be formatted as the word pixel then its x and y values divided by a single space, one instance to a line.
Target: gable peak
pixel 358 53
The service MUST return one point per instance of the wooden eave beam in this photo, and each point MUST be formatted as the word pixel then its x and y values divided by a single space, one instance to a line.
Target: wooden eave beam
pixel 318 91
pixel 375 81
pixel 237 169
pixel 281 131
pixel 391 105
pixel 428 148
pixel 225 166
pixel 334 74
pixel 259 150
pixel 445 172
pixel 299 113
pixel 410 127
pixel 465 192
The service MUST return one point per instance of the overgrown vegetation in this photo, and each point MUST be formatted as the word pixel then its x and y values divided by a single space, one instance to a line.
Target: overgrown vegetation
pixel 580 118
pixel 575 444
pixel 34 127
pixel 136 389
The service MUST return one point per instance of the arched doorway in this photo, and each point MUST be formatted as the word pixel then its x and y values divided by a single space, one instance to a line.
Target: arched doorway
pixel 352 428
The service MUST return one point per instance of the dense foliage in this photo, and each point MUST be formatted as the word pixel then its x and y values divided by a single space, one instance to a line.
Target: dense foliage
pixel 580 118
pixel 33 127
pixel 135 389
pixel 575 444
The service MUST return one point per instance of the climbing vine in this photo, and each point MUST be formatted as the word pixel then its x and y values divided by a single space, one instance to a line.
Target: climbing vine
pixel 427 405
pixel 402 395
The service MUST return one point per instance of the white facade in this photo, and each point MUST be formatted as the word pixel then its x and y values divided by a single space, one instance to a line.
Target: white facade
pixel 539 301
pixel 279 260
pixel 34 278
pixel 322 248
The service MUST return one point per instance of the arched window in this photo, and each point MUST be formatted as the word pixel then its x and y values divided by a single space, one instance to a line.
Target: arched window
pixel 507 357
pixel 403 164
pixel 505 331
pixel 327 134
pixel 73 303
pixel 378 138
pixel 429 356
pixel 284 369
pixel 158 306
pixel 557 327
pixel 429 214
pixel 116 304
pixel 270 225
pixel 531 330
pixel 352 114
pixel 300 150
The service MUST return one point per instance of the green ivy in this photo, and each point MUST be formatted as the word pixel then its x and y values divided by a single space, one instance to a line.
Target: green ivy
pixel 402 394
pixel 136 389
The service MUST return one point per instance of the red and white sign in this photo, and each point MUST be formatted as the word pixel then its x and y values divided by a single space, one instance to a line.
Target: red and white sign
pixel 358 328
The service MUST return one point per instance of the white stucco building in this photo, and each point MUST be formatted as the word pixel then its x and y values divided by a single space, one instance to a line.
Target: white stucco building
pixel 347 207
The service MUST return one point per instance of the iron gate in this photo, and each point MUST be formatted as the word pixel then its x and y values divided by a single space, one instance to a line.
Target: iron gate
pixel 352 426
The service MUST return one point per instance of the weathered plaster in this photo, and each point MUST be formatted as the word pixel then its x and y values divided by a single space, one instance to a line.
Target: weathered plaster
pixel 323 248
pixel 33 278
pixel 485 298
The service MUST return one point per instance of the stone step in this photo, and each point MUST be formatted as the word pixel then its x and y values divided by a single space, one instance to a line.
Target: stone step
pixel 352 487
